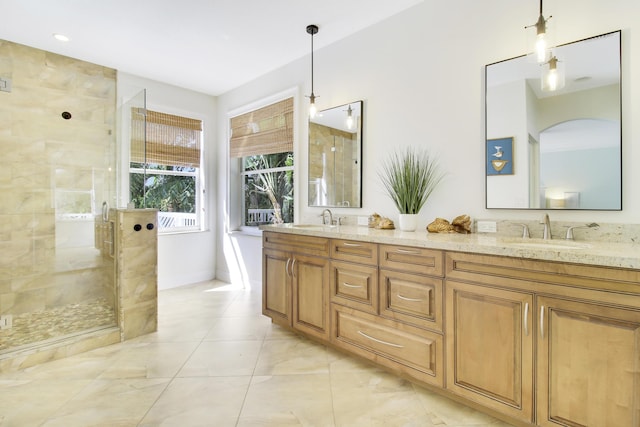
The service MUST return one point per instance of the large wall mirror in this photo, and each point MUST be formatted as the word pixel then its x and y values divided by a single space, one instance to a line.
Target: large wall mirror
pixel 556 149
pixel 335 157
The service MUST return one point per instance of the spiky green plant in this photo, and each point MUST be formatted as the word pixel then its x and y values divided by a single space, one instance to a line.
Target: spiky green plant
pixel 409 177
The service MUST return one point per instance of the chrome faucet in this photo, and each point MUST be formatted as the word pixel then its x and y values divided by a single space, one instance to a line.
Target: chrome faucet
pixel 569 235
pixel 525 231
pixel 546 232
pixel 324 217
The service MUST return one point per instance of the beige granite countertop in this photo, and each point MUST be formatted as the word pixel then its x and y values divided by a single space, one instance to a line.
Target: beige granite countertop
pixel 609 254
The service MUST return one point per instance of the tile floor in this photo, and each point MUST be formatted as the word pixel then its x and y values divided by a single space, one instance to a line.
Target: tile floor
pixel 215 361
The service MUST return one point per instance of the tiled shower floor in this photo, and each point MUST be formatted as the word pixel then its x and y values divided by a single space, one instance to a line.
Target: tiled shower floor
pixel 40 326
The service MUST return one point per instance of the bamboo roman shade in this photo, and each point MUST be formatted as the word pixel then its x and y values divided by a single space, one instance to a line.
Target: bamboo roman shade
pixel 267 130
pixel 170 140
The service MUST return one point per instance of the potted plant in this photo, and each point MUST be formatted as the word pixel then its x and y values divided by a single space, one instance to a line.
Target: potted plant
pixel 409 176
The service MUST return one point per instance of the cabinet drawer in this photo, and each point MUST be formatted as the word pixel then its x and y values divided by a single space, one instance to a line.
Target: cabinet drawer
pixel 355 285
pixel 410 350
pixel 354 251
pixel 318 246
pixel 411 298
pixel 412 260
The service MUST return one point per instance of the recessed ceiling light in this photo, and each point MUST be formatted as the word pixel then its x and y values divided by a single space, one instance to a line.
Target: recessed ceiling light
pixel 61 37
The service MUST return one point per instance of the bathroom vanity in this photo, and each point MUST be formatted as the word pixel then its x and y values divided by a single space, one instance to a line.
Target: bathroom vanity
pixel 535 332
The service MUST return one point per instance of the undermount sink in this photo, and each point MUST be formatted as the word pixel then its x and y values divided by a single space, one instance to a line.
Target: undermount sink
pixel 548 244
pixel 314 226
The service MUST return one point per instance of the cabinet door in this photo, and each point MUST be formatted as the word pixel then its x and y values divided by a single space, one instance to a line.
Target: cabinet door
pixel 588 361
pixel 311 295
pixel 276 279
pixel 490 347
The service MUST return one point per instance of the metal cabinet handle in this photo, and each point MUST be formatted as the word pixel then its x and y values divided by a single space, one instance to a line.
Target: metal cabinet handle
pixel 351 286
pixel 380 341
pixel 526 320
pixel 542 322
pixel 293 267
pixel 407 251
pixel 354 245
pixel 409 299
pixel 286 268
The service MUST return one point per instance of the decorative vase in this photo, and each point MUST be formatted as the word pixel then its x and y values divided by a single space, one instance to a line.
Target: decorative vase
pixel 408 222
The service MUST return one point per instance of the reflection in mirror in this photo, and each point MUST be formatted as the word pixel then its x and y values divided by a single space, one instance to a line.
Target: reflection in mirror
pixel 335 157
pixel 566 144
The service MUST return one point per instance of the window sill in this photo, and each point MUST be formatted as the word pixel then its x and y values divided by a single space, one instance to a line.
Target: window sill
pixel 174 232
pixel 247 231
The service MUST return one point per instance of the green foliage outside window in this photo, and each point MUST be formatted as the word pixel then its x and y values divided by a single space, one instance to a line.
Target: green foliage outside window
pixel 269 190
pixel 167 193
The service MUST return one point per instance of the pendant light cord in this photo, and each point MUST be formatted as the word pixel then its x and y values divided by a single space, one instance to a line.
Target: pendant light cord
pixel 312 29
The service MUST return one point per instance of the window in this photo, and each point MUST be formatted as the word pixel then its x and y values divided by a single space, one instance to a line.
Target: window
pixel 263 141
pixel 165 171
pixel 268 189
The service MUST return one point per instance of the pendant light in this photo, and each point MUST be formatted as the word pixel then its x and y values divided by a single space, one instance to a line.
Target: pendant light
pixel 552 75
pixel 349 117
pixel 312 29
pixel 542 40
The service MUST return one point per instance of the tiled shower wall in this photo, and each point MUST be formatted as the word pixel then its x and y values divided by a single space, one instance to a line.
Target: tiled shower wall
pixel 339 148
pixel 56 172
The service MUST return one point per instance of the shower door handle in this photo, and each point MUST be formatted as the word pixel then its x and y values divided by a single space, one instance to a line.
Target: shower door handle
pixel 105 211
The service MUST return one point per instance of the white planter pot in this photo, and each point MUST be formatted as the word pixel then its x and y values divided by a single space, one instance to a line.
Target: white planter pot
pixel 408 222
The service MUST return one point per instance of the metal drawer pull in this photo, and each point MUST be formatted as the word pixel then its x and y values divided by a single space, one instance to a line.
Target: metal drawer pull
pixel 526 319
pixel 293 267
pixel 542 322
pixel 287 267
pixel 380 341
pixel 407 251
pixel 409 299
pixel 351 286
pixel 354 245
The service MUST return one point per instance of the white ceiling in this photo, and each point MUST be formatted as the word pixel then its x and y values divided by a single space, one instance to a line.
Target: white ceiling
pixel 209 46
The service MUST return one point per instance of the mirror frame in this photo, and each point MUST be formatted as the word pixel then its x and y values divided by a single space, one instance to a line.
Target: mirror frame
pixel 617 203
pixel 330 118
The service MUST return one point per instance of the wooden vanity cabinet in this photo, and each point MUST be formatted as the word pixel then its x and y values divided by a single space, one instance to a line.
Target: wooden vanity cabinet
pixel 585 321
pixel 538 342
pixel 296 282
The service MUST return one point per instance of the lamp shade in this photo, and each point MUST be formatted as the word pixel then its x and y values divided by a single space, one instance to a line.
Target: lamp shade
pixel 540 39
pixel 552 75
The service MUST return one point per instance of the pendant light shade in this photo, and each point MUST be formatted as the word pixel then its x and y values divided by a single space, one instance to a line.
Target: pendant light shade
pixel 349 117
pixel 539 41
pixel 552 75
pixel 312 29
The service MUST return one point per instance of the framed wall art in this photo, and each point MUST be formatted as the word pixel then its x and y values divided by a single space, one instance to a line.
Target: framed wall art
pixel 500 156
